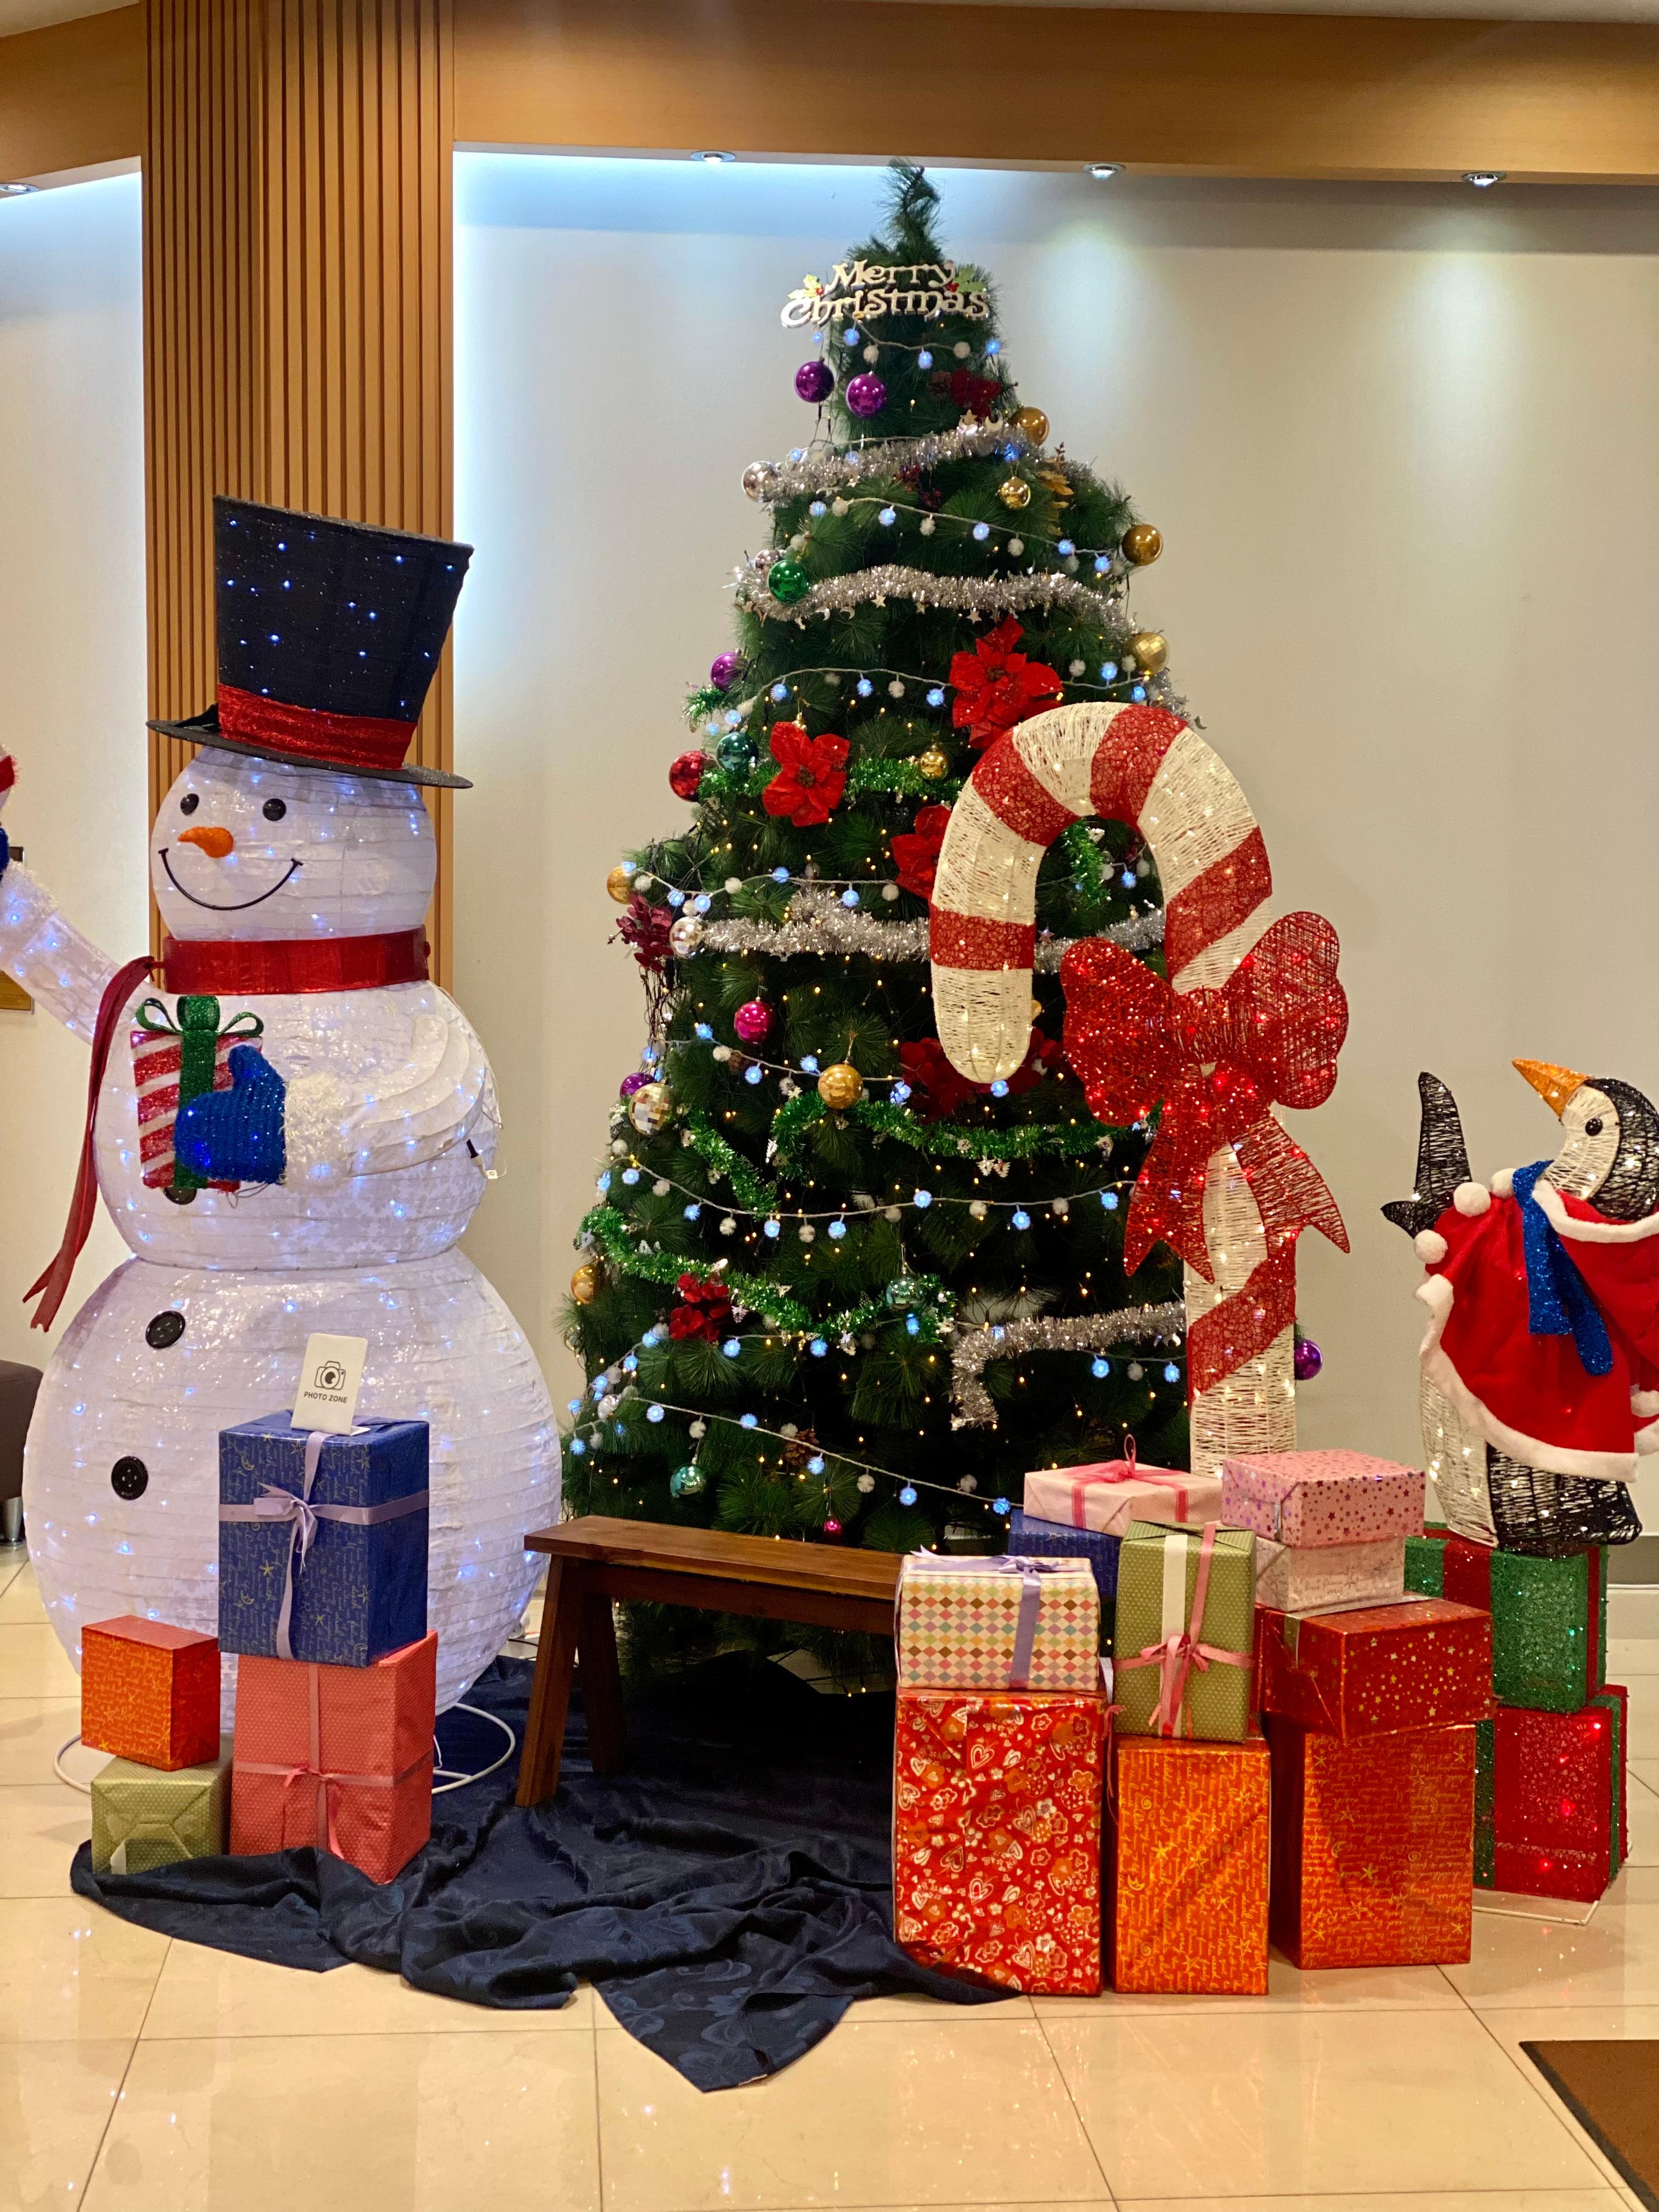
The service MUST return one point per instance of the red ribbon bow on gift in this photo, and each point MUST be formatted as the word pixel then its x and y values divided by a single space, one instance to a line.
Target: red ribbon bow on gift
pixel 1216 1062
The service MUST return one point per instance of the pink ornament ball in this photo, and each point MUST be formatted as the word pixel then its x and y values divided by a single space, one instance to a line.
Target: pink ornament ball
pixel 724 670
pixel 753 1023
pixel 630 1084
pixel 814 382
pixel 866 395
pixel 832 1527
pixel 1307 1360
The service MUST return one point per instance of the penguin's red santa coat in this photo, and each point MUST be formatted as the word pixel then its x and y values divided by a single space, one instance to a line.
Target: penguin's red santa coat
pixel 1528 1395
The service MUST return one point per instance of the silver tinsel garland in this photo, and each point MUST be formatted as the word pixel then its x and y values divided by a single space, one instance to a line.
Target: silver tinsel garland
pixel 817 923
pixel 973 1349
pixel 965 595
pixel 773 482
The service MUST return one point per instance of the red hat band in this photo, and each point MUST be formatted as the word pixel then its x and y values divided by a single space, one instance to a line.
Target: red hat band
pixel 367 741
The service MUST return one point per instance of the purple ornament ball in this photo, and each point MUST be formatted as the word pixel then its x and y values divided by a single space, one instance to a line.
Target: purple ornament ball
pixel 630 1084
pixel 753 1023
pixel 724 670
pixel 814 381
pixel 1307 1360
pixel 867 394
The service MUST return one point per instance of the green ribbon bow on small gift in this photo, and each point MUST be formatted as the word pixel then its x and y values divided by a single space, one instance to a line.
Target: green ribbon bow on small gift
pixel 198 1033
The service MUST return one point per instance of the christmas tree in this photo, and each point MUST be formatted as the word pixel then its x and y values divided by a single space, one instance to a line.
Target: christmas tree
pixel 831 1289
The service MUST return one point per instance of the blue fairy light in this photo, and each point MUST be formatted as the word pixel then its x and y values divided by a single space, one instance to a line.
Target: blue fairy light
pixel 936 698
pixel 731 1347
pixel 1138 694
pixel 923 1198
pixel 809 1065
pixel 630 1365
pixel 814 1465
pixel 713 729
pixel 653 1413
pixel 992 346
pixel 1108 1200
pixel 1171 1372
pixel 849 335
pixel 907 1495
pixel 702 903
pixel 981 531
pixel 1002 1506
pixel 650 1056
pixel 865 687
pixel 1109 672
pixel 887 517
pixel 1129 879
pixel 818 1348
pixel 837 1230
pixel 754 1075
pixel 630 1175
pixel 1103 564
pixel 703 1030
pixel 1066 549
pixel 693 1211
pixel 677 898
pixel 998 1089
pixel 577 1448
pixel 732 717
pixel 1021 1219
pixel 912 1326
pixel 604 1182
pixel 899 1093
pixel 748 1421
pixel 817 507
pixel 779 875
pixel 575 1405
pixel 849 897
pixel 1100 1369
pixel 653 1335
pixel 779 691
pixel 774 1228
pixel 924 359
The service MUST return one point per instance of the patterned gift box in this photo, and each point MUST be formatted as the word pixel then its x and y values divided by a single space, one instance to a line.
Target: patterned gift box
pixel 1424 1663
pixel 1317 1498
pixel 173 1062
pixel 149 1692
pixel 1106 1497
pixel 322 1540
pixel 1008 1623
pixel 1186 1606
pixel 1046 1540
pixel 996 1836
pixel 142 1819
pixel 339 1758
pixel 1322 1579
pixel 1187 1905
pixel 1559 1820
pixel 1373 1845
pixel 1549 1617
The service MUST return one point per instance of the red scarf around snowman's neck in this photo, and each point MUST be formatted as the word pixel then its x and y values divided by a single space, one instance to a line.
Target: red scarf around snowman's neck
pixel 226 967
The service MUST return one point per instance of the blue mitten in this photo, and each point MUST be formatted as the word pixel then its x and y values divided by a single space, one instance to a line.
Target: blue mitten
pixel 236 1135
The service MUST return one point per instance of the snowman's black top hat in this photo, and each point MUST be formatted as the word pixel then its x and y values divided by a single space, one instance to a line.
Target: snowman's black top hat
pixel 329 636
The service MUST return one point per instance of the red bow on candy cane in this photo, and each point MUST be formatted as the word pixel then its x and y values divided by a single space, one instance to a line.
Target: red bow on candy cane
pixel 1216 1062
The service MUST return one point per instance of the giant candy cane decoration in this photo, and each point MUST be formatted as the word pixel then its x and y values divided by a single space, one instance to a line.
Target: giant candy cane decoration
pixel 1252 1014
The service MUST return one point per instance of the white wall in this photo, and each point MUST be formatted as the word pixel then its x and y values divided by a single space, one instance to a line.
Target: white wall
pixel 72 650
pixel 1404 448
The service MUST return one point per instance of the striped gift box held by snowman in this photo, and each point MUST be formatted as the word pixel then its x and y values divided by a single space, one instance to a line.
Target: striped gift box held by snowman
pixel 170 1066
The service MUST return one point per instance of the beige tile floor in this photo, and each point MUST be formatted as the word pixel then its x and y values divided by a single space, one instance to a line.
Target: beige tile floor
pixel 138 2075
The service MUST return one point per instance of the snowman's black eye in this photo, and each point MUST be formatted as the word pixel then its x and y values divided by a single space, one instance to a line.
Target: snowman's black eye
pixel 1593 1127
pixel 275 809
pixel 190 802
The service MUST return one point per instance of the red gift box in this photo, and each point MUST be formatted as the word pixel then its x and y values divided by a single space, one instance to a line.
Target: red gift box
pixel 339 1758
pixel 1559 1825
pixel 150 1692
pixel 1188 1908
pixel 1424 1663
pixel 1373 1847
pixel 996 1835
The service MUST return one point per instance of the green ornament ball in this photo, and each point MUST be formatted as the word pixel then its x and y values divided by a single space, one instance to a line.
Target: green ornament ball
pixel 735 752
pixel 687 1482
pixel 904 1294
pixel 788 581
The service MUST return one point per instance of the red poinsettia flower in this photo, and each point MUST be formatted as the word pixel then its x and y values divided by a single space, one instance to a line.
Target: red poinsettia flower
pixel 997 687
pixel 704 1311
pixel 811 775
pixel 917 849
pixel 938 1090
pixel 646 929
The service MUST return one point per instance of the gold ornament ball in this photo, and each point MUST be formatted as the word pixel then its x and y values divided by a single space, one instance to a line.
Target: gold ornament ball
pixel 1034 423
pixel 620 883
pixel 585 1284
pixel 840 1086
pixel 933 764
pixel 1142 543
pixel 1014 491
pixel 651 1108
pixel 1150 650
pixel 1037 1010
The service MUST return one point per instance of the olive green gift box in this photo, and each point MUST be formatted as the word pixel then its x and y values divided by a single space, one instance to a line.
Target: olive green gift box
pixel 142 1817
pixel 1216 1707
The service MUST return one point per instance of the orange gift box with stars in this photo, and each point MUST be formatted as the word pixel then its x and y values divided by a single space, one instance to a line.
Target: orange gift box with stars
pixel 150 1692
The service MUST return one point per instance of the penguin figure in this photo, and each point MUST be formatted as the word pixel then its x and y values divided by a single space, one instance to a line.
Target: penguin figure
pixel 1542 1359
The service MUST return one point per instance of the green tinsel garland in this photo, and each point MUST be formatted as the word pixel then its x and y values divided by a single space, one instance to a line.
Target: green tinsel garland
pixel 943 1139
pixel 753 1194
pixel 867 772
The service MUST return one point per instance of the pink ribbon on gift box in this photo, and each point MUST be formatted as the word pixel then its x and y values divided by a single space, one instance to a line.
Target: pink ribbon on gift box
pixel 1181 1651
pixel 325 1778
pixel 1111 1472
pixel 276 1503
pixel 1030 1572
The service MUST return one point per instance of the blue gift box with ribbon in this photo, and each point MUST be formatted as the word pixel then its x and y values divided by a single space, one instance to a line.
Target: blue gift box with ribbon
pixel 322 1540
pixel 1052 1540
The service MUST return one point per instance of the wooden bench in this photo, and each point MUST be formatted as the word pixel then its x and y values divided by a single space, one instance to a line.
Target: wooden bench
pixel 592 1561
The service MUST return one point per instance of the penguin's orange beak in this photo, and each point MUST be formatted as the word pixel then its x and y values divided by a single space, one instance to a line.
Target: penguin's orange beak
pixel 1555 1085
pixel 217 842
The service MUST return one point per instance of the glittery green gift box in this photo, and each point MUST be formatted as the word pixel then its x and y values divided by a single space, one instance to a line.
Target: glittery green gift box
pixel 1216 1707
pixel 1549 1617
pixel 142 1817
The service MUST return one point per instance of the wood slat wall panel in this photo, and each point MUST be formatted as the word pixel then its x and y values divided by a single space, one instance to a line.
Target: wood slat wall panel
pixel 297 294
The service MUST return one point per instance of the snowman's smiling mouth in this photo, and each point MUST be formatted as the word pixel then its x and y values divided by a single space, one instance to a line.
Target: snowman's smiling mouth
pixel 224 906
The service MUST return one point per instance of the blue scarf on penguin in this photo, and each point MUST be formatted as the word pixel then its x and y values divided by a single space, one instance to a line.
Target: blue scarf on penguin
pixel 1557 1302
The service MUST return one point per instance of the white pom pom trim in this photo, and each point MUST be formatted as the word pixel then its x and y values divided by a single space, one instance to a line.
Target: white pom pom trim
pixel 1430 1246
pixel 1471 1198
pixel 1502 1183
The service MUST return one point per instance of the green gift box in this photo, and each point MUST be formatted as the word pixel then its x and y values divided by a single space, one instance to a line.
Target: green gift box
pixel 1176 1675
pixel 1549 1617
pixel 142 1817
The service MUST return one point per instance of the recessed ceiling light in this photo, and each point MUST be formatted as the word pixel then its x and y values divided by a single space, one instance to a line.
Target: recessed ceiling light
pixel 714 160
pixel 1484 179
pixel 1104 169
pixel 14 191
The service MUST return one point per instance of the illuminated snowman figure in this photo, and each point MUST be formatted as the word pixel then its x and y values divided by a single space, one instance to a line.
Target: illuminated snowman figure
pixel 293 1125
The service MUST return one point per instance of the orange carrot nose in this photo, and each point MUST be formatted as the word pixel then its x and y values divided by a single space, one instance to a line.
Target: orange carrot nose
pixel 214 842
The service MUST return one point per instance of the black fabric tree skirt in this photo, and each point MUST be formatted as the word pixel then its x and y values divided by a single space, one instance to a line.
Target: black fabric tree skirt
pixel 730 1893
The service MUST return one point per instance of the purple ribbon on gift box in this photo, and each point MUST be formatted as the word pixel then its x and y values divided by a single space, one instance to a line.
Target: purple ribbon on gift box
pixel 1030 1572
pixel 274 1504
